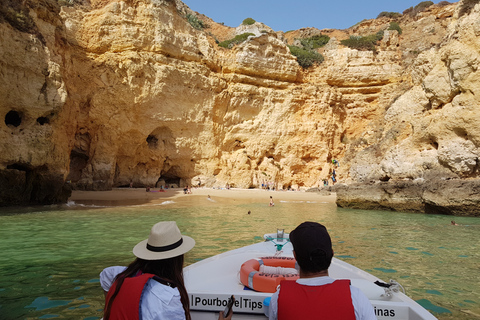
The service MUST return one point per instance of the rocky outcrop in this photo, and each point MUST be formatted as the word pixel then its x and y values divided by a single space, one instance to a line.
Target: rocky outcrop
pixel 428 132
pixel 104 93
pixel 450 197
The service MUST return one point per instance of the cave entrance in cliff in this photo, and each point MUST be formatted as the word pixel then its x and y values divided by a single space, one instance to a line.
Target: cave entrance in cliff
pixel 171 179
pixel 78 162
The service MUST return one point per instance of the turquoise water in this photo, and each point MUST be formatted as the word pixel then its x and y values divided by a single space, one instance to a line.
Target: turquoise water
pixel 50 257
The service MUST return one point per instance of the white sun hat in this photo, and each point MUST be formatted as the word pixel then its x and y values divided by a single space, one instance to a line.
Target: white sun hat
pixel 165 241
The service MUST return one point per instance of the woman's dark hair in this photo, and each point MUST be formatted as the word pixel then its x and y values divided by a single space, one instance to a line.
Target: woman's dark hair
pixel 170 270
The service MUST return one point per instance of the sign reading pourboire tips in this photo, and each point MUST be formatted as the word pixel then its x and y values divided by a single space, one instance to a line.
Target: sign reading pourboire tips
pixel 217 302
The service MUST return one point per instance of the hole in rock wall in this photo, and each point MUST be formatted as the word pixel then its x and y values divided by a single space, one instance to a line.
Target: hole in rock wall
pixel 43 120
pixel 78 162
pixel 20 167
pixel 152 141
pixel 385 178
pixel 161 137
pixel 461 132
pixel 13 118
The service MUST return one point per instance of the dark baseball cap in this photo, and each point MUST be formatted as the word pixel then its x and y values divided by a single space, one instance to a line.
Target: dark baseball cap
pixel 311 237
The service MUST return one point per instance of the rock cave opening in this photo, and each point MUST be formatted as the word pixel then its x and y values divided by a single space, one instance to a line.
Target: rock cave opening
pixel 171 178
pixel 13 118
pixel 78 162
pixel 20 167
pixel 43 120
pixel 169 181
pixel 152 141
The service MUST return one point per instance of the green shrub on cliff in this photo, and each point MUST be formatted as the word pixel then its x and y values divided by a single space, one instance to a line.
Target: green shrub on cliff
pixel 466 7
pixel 392 15
pixel 66 3
pixel 395 26
pixel 423 5
pixel 315 41
pixel 248 22
pixel 363 43
pixel 17 15
pixel 412 11
pixel 305 57
pixel 195 22
pixel 238 39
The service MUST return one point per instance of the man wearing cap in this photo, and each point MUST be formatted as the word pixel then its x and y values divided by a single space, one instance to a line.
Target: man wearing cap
pixel 315 295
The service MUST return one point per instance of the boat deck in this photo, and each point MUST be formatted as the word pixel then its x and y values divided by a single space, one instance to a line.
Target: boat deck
pixel 212 281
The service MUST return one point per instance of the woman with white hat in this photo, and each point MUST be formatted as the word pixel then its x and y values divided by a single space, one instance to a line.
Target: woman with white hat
pixel 152 286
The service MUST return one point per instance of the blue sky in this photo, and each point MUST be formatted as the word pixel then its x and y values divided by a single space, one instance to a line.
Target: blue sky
pixel 288 15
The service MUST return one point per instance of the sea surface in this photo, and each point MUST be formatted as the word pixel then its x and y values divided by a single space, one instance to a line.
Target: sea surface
pixel 51 257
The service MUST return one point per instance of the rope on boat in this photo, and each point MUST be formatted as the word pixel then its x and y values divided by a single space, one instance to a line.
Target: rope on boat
pixel 278 245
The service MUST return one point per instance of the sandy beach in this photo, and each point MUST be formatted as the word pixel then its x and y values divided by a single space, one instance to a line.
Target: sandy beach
pixel 128 196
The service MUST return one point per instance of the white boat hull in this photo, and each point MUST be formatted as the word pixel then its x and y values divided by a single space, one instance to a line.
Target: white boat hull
pixel 212 281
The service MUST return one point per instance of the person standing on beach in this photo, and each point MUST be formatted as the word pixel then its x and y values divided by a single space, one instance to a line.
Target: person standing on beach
pixel 152 286
pixel 315 295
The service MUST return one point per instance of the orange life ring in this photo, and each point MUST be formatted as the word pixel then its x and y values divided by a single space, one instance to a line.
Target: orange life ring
pixel 251 276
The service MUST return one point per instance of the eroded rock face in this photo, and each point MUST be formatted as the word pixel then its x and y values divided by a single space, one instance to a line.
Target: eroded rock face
pixel 107 93
pixel 429 129
pixel 34 135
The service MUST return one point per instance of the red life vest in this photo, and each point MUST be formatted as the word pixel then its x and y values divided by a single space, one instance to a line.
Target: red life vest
pixel 331 301
pixel 126 305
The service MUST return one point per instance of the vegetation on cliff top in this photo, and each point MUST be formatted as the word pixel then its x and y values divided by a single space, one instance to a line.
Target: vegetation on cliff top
pixel 248 22
pixel 413 11
pixel 237 40
pixel 392 15
pixel 395 26
pixel 314 42
pixel 195 22
pixel 363 43
pixel 305 57
pixel 17 15
pixel 306 54
pixel 467 6
pixel 68 3
pixel 444 3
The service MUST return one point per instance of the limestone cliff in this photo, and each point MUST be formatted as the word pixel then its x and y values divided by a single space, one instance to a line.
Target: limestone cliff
pixel 103 93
